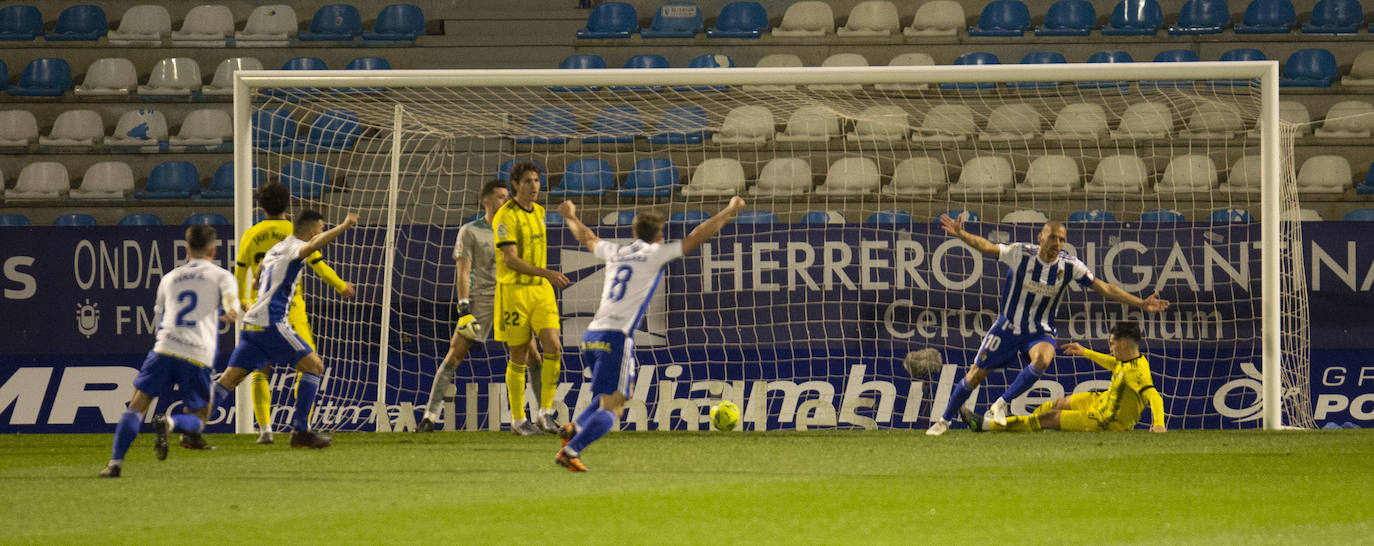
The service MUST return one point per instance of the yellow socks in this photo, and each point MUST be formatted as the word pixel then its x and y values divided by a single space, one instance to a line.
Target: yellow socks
pixel 262 400
pixel 515 389
pixel 1047 406
pixel 548 375
pixel 1021 423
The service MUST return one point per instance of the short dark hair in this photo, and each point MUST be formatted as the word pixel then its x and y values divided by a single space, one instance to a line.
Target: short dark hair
pixel 273 197
pixel 306 218
pixel 490 187
pixel 1126 330
pixel 648 225
pixel 201 237
pixel 519 169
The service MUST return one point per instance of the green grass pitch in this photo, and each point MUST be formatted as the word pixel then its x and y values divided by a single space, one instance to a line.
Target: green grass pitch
pixel 1233 487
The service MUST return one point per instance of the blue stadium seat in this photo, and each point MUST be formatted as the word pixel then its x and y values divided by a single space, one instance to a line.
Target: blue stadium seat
pixel 1243 54
pixel 1335 17
pixel 503 172
pixel 1135 18
pixel 1202 17
pixel 206 218
pixel 1360 215
pixel 578 62
pixel 73 220
pixel 1069 18
pixel 1039 57
pixel 644 61
pixel 336 22
pixel 140 220
pixel 675 20
pixel 1161 216
pixel 397 23
pixel 274 130
pixel 681 125
pixel 1227 216
pixel 740 20
pixel 1313 67
pixel 1095 215
pixel 1002 18
pixel 46 77
pixel 969 216
pixel 651 177
pixel 1268 17
pixel 615 124
pixel 976 58
pixel 709 60
pixel 333 130
pixel 13 220
pixel 1366 187
pixel 306 179
pixel 549 125
pixel 79 23
pixel 689 217
pixel 1107 57
pixel 222 185
pixel 823 217
pixel 171 180
pixel 20 23
pixel 619 218
pixel 890 217
pixel 611 20
pixel 552 218
pixel 368 63
pixel 1171 56
pixel 585 177
pixel 305 63
pixel 756 217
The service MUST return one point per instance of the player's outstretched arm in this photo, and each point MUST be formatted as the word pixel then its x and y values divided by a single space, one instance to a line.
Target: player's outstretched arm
pixel 1156 403
pixel 579 230
pixel 323 239
pixel 330 277
pixel 956 228
pixel 1112 292
pixel 710 227
pixel 1104 360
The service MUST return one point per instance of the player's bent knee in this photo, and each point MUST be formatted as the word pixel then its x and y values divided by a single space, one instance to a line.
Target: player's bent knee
pixel 311 363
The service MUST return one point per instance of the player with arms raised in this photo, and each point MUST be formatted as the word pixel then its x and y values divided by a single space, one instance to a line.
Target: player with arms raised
pixel 633 272
pixel 187 312
pixel 1036 278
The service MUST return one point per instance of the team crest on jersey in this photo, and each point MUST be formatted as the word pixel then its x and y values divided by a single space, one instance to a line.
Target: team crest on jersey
pixel 501 231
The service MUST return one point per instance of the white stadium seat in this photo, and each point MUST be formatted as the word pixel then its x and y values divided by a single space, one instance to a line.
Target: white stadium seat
pixel 75 129
pixel 716 177
pixel 41 180
pixel 106 180
pixel 746 125
pixel 919 176
pixel 115 76
pixel 783 177
pixel 851 176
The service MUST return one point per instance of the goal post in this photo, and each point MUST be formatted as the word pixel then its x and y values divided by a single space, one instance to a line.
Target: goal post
pixel 419 143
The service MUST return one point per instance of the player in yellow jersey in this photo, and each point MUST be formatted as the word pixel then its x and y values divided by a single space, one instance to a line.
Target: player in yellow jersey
pixel 525 305
pixel 1116 409
pixel 273 198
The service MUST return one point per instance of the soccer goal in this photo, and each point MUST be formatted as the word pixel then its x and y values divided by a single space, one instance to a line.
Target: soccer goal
pixel 1171 177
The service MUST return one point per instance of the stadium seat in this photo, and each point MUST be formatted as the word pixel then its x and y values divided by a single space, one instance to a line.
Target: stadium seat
pixel 223 81
pixel 41 180
pixel 105 180
pixel 890 217
pixel 1244 175
pixel 611 20
pixel 675 20
pixel 1325 174
pixel 140 220
pixel 1094 215
pixel 368 63
pixel 948 122
pixel 1135 18
pixel 1366 187
pixel 615 124
pixel 1171 56
pixel 783 177
pixel 719 176
pixel 650 177
pixel 1229 216
pixel 306 179
pixel 1039 57
pixel 206 218
pixel 171 180
pixel 1359 215
pixel 46 77
pixel 274 129
pixel 271 25
pixel 13 220
pixel 1145 120
pixel 1268 17
pixel 755 217
pixel 937 18
pixel 205 128
pixel 110 77
pixel 984 176
pixel 807 18
pixel 1303 215
pixel 75 220
pixel 851 176
pixel 965 215
pixel 971 59
pixel 1361 70
pixel 305 63
pixel 1079 121
pixel 205 26
pixel 1051 175
pixel 750 124
pixel 644 61
pixel 882 123
pixel 780 60
pixel 334 129
pixel 823 217
pixel 688 217
pixel 579 62
pixel 740 20
pixel 709 60
pixel 549 125
pixel 1110 56
pixel 1014 121
pixel 919 176
pixel 1025 216
pixel 811 123
pixel 619 218
pixel 1335 17
pixel 1214 120
pixel 75 129
pixel 174 77
pixel 1119 174
pixel 840 59
pixel 872 18
pixel 18 128
pixel 20 23
pixel 79 23
pixel 1002 18
pixel 585 177
pixel 503 172
pixel 397 23
pixel 336 22
pixel 681 125
pixel 1191 173
pixel 1202 17
pixel 1348 119
pixel 1296 113
pixel 1069 18
pixel 1158 216
pixel 144 127
pixel 907 59
pixel 222 185
pixel 1313 67
pixel 142 25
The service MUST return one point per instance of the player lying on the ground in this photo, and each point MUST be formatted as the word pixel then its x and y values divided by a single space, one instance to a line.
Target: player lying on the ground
pixel 1117 408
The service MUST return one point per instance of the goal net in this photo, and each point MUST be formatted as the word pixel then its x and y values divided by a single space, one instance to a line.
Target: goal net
pixel 1174 178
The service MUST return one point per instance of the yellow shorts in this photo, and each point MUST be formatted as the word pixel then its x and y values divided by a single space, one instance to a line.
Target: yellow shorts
pixel 1080 416
pixel 523 310
pixel 296 316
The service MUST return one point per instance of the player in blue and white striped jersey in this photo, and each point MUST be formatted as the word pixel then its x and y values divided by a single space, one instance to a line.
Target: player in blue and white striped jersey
pixel 1036 278
pixel 187 313
pixel 633 272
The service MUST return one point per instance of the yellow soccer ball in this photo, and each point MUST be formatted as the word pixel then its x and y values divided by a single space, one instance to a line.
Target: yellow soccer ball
pixel 725 416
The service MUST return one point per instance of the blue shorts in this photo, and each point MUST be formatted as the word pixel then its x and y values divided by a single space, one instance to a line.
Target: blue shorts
pixel 1002 348
pixel 276 344
pixel 172 379
pixel 611 356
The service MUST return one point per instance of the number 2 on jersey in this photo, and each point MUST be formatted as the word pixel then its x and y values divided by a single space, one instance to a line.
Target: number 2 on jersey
pixel 619 283
pixel 188 301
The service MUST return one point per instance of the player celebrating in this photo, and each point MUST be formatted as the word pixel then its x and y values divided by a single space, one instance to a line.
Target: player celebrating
pixel 476 286
pixel 632 273
pixel 189 299
pixel 1036 278
pixel 1117 408
pixel 273 197
pixel 525 303
pixel 268 337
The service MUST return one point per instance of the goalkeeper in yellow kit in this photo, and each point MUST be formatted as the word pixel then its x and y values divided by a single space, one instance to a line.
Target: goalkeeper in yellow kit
pixel 273 198
pixel 1116 409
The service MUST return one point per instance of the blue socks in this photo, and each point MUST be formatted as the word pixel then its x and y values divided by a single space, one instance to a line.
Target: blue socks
pixel 592 425
pixel 125 432
pixel 957 399
pixel 587 413
pixel 307 384
pixel 185 422
pixel 1024 381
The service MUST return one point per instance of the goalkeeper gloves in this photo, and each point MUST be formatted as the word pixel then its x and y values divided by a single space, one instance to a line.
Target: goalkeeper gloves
pixel 464 307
